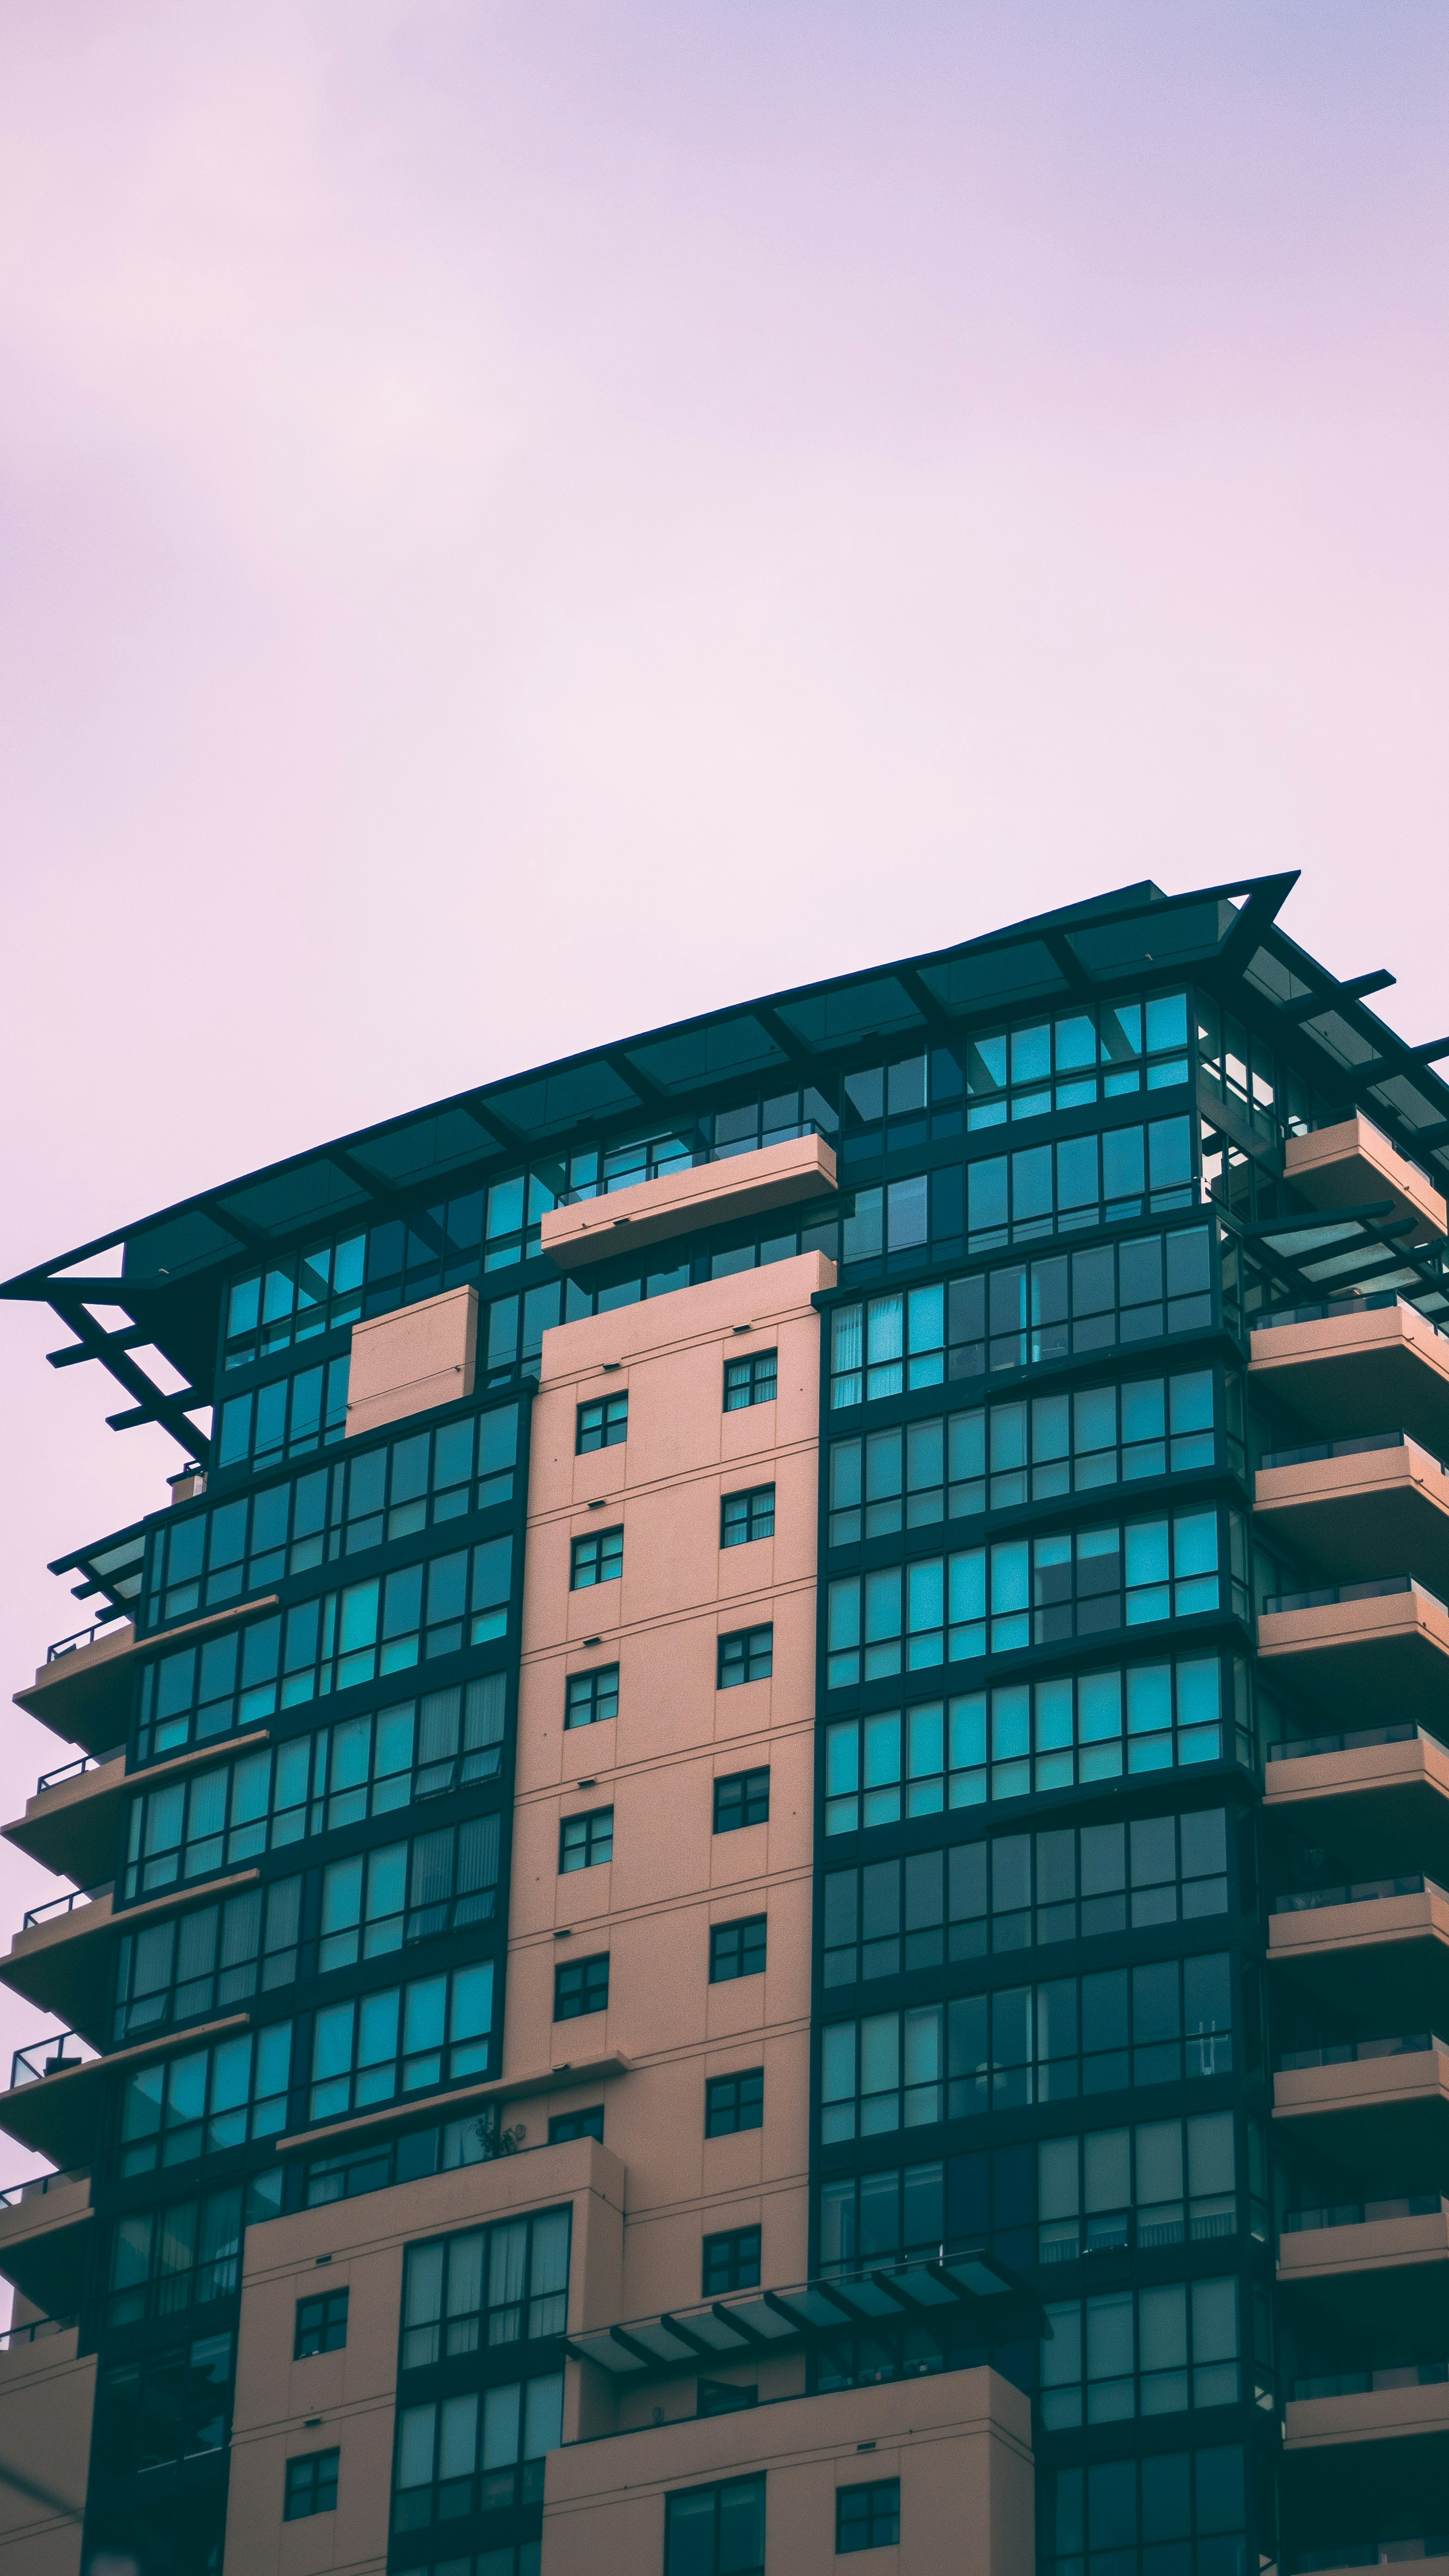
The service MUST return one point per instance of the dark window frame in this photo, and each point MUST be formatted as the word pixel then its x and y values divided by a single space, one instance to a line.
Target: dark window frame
pixel 752 1377
pixel 747 1797
pixel 737 1949
pixel 730 2100
pixel 309 2488
pixel 746 1655
pixel 872 2522
pixel 591 1549
pixel 596 1830
pixel 318 2317
pixel 585 1690
pixel 611 1424
pixel 730 2260
pixel 571 1977
pixel 746 1516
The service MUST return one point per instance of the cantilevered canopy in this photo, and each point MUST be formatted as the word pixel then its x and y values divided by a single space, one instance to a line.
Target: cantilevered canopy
pixel 155 1284
pixel 959 2288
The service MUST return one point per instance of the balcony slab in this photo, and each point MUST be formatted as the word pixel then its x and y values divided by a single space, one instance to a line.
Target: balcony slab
pixel 1380 1511
pixel 1372 2415
pixel 1383 1368
pixel 742 1185
pixel 43 2244
pixel 1370 1662
pixel 1384 1807
pixel 1354 1165
pixel 1373 2115
pixel 1378 2278
pixel 1353 1957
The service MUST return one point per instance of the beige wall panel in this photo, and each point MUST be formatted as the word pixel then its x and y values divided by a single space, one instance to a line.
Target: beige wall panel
pixel 46 2398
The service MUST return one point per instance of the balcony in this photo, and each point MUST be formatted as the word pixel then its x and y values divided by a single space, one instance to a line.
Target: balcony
pixel 44 2225
pixel 1354 1166
pixel 35 2346
pixel 1375 1504
pixel 54 2099
pixel 1374 2268
pixel 1348 1947
pixel 1381 1794
pixel 1357 1647
pixel 1376 2105
pixel 82 1691
pixel 73 1823
pixel 1406 2402
pixel 1347 1368
pixel 681 1201
pixel 61 1959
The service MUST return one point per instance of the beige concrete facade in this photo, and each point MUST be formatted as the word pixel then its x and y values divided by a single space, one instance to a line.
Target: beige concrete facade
pixel 1354 1165
pixel 1354 1954
pixel 741 1185
pixel 1369 1661
pixel 959 2444
pixel 1380 1511
pixel 46 2395
pixel 1392 2414
pixel 1386 1369
pixel 672 1877
pixel 412 1360
pixel 1391 1800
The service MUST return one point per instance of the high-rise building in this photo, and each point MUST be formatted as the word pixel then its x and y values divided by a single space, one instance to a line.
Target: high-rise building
pixel 755 1846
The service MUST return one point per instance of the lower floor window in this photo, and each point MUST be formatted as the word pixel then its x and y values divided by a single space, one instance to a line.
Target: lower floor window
pixel 716 2531
pixel 311 2485
pixel 868 2517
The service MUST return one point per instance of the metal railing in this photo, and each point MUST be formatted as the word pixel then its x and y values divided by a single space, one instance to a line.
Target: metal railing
pixel 1363 1446
pixel 1344 2052
pixel 1365 2553
pixel 54 2056
pixel 1378 1590
pixel 36 2187
pixel 32 2333
pixel 82 1637
pixel 1360 1891
pixel 1362 2213
pixel 1299 1748
pixel 1359 2383
pixel 66 1904
pixel 1331 1309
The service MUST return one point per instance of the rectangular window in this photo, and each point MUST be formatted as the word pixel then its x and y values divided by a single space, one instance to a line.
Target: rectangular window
pixel 564 2126
pixel 504 2284
pixel 291 1417
pixel 1155 2024
pixel 746 1656
pixel 731 2262
pixel 1160 2182
pixel 751 1380
pixel 742 1798
pixel 1023 1891
pixel 182 2254
pixel 915 1475
pixel 597 1557
pixel 880 2217
pixel 311 2485
pixel 401 1893
pixel 592 1696
pixel 321 2325
pixel 581 1987
pixel 602 1424
pixel 737 1949
pixel 165 2407
pixel 1022 1314
pixel 402 2039
pixel 725 2397
pixel 373 1765
pixel 584 1842
pixel 200 1559
pixel 734 2102
pixel 1026 1736
pixel 478 2452
pixel 716 2531
pixel 1036 1591
pixel 747 1516
pixel 205 2101
pixel 1155 2352
pixel 196 1965
pixel 1185 2496
pixel 868 2517
pixel 329 1643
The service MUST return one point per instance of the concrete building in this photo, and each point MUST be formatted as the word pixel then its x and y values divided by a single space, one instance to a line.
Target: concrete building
pixel 754 1857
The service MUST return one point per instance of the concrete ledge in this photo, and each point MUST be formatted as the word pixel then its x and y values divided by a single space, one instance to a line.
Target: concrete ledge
pixel 412 1360
pixel 707 1194
pixel 1353 1165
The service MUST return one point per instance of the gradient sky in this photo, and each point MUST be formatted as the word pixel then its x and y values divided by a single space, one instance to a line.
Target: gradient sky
pixel 522 521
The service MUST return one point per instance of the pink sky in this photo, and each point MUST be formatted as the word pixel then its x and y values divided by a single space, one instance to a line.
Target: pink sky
pixel 521 522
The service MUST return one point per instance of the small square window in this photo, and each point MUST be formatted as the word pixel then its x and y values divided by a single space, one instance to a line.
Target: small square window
pixel 596 1558
pixel 734 2102
pixel 311 2485
pixel 742 1798
pixel 749 1381
pixel 321 2325
pixel 731 2262
pixel 747 1516
pixel 584 1842
pixel 592 1696
pixel 746 1656
pixel 581 1987
pixel 737 1949
pixel 566 2125
pixel 725 2397
pixel 716 2531
pixel 602 1425
pixel 868 2517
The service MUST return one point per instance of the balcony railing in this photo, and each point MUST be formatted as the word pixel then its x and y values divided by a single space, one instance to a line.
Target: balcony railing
pixel 1365 2553
pixel 1359 2383
pixel 1331 1592
pixel 1330 1309
pixel 53 2056
pixel 1367 1441
pixel 167 2294
pixel 68 1771
pixel 33 2332
pixel 1344 2052
pixel 37 2185
pixel 66 1904
pixel 82 1637
pixel 1071 2240
pixel 1298 1748
pixel 1360 2213
pixel 1361 1891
